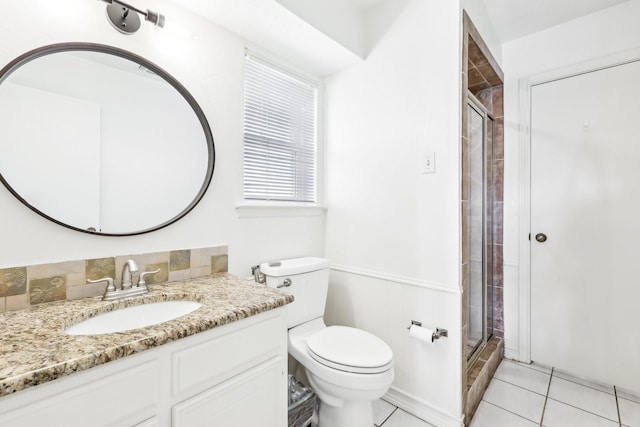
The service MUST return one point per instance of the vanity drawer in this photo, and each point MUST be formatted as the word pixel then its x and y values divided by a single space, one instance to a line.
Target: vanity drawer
pixel 209 363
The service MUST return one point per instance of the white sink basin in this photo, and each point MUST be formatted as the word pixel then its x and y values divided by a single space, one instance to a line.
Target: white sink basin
pixel 134 317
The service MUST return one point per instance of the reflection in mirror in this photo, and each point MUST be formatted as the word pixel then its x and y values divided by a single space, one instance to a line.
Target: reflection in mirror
pixel 94 137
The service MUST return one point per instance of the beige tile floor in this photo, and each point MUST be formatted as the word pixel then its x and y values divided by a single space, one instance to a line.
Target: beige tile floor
pixel 530 396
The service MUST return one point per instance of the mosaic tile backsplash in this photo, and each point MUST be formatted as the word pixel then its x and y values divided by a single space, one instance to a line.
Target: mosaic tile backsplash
pixel 21 287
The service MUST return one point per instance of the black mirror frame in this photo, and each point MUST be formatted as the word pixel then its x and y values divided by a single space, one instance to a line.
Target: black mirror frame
pixel 94 47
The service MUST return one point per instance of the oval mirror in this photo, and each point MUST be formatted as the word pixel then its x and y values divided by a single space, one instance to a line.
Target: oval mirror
pixel 100 140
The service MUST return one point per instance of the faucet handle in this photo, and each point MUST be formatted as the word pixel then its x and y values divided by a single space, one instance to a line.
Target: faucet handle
pixel 109 280
pixel 141 281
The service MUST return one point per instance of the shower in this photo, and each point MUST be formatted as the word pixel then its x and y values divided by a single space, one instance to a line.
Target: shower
pixel 481 204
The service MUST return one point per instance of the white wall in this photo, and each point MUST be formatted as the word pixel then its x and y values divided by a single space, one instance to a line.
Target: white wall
pixel 393 233
pixel 585 39
pixel 211 67
pixel 381 116
pixel 339 19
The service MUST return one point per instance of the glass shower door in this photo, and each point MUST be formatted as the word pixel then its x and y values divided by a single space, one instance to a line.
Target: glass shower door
pixel 480 309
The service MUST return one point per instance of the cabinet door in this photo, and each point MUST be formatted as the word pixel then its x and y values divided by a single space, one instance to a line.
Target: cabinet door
pixel 119 399
pixel 254 398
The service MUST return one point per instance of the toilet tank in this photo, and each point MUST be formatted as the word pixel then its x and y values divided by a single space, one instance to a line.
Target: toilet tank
pixel 307 279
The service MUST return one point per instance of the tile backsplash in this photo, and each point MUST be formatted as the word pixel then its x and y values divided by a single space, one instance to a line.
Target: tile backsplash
pixel 21 287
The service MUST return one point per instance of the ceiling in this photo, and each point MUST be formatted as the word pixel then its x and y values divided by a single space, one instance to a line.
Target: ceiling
pixel 271 25
pixel 365 4
pixel 512 19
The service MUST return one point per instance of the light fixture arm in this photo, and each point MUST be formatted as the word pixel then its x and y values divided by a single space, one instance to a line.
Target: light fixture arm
pixel 126 23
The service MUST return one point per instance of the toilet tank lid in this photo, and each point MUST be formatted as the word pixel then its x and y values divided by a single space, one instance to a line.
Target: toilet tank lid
pixel 288 267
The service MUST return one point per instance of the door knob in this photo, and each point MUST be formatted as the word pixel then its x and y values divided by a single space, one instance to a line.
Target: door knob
pixel 541 237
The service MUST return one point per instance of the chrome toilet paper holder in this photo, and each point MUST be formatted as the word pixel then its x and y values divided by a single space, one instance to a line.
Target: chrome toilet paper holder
pixel 437 334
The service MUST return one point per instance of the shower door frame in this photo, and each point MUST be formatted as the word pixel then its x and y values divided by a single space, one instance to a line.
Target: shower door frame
pixel 488 176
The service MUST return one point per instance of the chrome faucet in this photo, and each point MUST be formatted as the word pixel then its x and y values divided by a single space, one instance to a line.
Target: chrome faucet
pixel 129 267
pixel 127 289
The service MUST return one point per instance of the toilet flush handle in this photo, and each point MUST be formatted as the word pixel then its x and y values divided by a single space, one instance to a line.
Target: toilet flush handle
pixel 285 283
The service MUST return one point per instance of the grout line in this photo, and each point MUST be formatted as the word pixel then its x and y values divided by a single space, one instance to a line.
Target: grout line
pixel 528 366
pixel 395 408
pixel 582 409
pixel 629 399
pixel 506 410
pixel 567 377
pixel 519 386
pixel 615 392
pixel 544 407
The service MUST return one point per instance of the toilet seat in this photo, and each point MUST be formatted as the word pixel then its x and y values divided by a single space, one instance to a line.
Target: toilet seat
pixel 350 350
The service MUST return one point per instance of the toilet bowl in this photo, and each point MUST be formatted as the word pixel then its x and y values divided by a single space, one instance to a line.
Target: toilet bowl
pixel 348 368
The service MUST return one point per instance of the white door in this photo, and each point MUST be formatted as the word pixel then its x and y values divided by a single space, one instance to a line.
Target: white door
pixel 585 198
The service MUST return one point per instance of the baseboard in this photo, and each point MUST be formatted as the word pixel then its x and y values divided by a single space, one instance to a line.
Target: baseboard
pixel 511 353
pixel 422 409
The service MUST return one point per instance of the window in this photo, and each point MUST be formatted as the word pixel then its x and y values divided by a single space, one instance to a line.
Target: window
pixel 280 134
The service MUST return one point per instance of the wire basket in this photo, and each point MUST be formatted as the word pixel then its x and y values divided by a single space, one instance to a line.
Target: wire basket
pixel 302 403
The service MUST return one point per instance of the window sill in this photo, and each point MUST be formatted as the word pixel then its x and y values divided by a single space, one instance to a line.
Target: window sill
pixel 276 209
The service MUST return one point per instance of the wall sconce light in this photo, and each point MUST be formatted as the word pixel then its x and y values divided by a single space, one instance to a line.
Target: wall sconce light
pixel 120 16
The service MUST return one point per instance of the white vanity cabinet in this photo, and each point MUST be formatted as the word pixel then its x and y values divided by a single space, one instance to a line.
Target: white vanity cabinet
pixel 250 399
pixel 233 375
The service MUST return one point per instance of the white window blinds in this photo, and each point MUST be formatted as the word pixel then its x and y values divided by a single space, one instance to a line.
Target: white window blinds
pixel 280 134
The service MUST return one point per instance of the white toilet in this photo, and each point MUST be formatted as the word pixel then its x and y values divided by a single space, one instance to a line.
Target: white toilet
pixel 348 368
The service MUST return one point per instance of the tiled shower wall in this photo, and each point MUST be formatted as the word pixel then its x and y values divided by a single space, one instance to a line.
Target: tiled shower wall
pixel 22 287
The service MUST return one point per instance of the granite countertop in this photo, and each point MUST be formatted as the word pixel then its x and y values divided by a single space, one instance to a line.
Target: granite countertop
pixel 35 349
